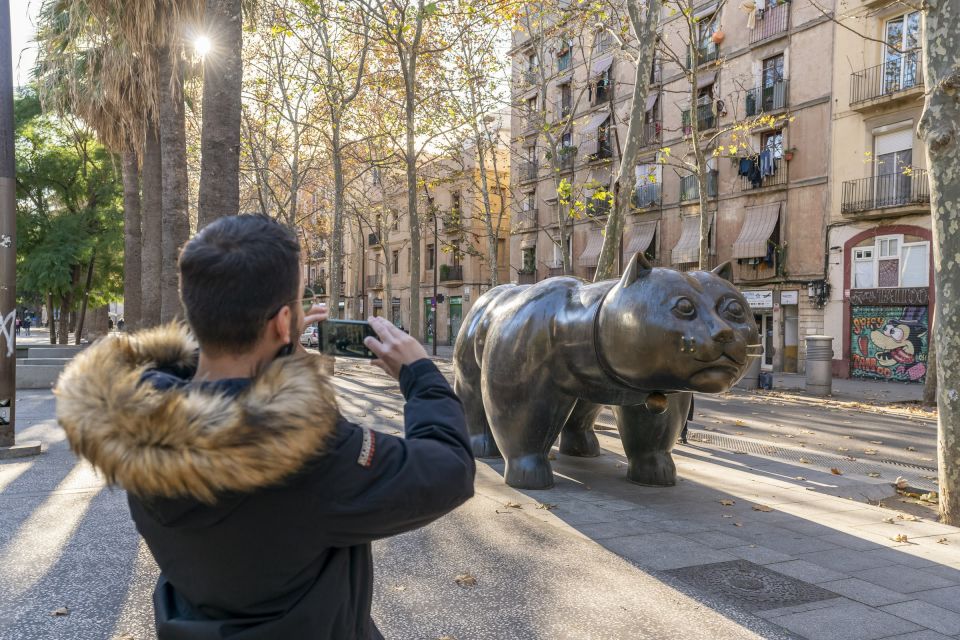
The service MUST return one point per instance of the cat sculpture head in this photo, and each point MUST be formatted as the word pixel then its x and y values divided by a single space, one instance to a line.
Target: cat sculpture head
pixel 666 330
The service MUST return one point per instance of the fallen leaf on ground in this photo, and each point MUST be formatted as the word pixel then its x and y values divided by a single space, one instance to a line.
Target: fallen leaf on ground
pixel 399 587
pixel 836 471
pixel 876 442
pixel 803 461
pixel 62 611
pixel 465 580
pixel 727 516
pixel 800 478
pixel 512 505
pixel 930 497
pixel 446 638
pixel 545 505
pixel 738 433
pixel 762 507
pixel 738 524
pixel 909 517
pixel 870 452
pixel 911 448
pixel 842 449
pixel 727 503
pixel 847 437
pixel 943 541
pixel 739 423
pixel 900 538
pixel 873 474
pixel 889 520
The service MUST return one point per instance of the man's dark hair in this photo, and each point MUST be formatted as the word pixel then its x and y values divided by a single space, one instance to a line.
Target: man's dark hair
pixel 236 274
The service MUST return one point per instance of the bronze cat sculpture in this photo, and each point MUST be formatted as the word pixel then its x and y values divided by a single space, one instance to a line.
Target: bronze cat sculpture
pixel 537 361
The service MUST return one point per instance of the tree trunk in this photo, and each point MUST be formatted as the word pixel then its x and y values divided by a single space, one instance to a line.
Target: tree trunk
pixel 173 146
pixel 86 296
pixel 940 129
pixel 131 240
pixel 151 241
pixel 220 135
pixel 63 328
pixel 645 31
pixel 930 382
pixel 336 245
pixel 413 215
pixel 51 325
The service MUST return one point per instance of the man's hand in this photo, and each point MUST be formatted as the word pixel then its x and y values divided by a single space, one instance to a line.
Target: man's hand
pixel 317 313
pixel 394 348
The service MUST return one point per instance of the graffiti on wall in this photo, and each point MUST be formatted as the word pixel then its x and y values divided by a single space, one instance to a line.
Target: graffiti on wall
pixel 889 343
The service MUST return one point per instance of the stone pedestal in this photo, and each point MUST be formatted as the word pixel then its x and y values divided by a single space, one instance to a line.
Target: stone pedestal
pixel 819 365
pixel 21 450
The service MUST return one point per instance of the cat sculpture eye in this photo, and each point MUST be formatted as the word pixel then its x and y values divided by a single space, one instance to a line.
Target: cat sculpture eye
pixel 684 308
pixel 734 310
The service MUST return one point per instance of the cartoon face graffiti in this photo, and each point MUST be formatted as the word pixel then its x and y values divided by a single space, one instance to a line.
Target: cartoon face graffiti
pixel 898 343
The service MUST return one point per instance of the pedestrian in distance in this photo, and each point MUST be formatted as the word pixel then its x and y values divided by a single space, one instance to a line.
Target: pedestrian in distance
pixel 18 326
pixel 256 497
pixel 27 323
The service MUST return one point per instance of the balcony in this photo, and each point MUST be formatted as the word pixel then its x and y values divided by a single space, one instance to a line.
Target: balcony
pixel 778 179
pixel 771 22
pixel 705 53
pixel 527 276
pixel 553 272
pixel 766 99
pixel 604 149
pixel 375 281
pixel 530 76
pixel 452 222
pixel 690 188
pixel 887 81
pixel 651 134
pixel 909 189
pixel 451 273
pixel 706 118
pixel 373 240
pixel 527 218
pixel 647 194
pixel 528 171
pixel 567 157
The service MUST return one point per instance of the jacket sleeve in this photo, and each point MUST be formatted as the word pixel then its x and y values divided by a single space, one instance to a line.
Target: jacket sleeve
pixel 383 485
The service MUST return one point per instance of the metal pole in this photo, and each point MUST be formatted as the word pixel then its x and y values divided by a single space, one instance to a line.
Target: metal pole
pixel 436 261
pixel 8 252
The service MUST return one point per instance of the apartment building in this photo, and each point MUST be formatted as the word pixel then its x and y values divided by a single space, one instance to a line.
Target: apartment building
pixel 768 202
pixel 880 262
pixel 453 245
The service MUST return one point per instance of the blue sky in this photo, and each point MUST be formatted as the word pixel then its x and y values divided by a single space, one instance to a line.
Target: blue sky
pixel 23 14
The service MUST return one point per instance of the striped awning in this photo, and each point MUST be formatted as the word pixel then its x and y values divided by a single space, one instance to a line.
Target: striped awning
pixel 758 226
pixel 591 253
pixel 639 238
pixel 588 135
pixel 687 248
pixel 528 240
pixel 600 65
pixel 706 79
pixel 651 101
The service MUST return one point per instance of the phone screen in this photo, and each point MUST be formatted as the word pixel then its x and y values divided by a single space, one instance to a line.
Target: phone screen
pixel 345 338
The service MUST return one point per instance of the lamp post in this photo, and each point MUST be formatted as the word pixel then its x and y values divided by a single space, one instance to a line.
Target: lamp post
pixel 8 253
pixel 436 254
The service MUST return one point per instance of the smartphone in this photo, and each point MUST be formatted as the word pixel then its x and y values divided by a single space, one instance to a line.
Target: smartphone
pixel 345 338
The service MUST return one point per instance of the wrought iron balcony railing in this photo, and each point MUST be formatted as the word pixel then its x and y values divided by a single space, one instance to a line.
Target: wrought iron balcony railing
pixel 897 74
pixel 767 99
pixel 880 192
pixel 771 22
pixel 690 188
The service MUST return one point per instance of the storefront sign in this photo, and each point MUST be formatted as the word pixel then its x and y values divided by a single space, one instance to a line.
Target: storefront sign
pixel 889 343
pixel 918 296
pixel 762 299
pixel 789 297
pixel 378 303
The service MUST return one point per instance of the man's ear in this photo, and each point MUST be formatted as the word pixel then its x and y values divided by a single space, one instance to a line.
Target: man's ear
pixel 725 271
pixel 280 326
pixel 639 267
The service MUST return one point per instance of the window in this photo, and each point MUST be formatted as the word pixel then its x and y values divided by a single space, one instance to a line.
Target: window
pixel 532 62
pixel 376 179
pixel 558 256
pixel 532 106
pixel 566 100
pixel 773 141
pixel 430 257
pixel 566 140
pixel 564 56
pixel 395 262
pixel 894 155
pixel 602 89
pixel 649 177
pixel 602 41
pixel 396 220
pixel 706 47
pixel 529 260
pixel 901 59
pixel 863 269
pixel 503 255
pixel 772 71
pixel 455 203
pixel 604 142
pixel 891 262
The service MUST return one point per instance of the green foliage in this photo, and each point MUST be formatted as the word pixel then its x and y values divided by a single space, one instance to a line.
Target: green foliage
pixel 69 208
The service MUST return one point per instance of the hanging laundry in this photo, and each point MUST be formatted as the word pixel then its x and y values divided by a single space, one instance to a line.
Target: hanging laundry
pixel 746 164
pixel 750 7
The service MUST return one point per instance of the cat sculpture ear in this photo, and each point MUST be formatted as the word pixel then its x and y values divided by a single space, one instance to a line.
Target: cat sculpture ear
pixel 725 271
pixel 639 267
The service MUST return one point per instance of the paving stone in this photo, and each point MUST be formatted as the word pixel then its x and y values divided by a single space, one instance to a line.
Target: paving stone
pixel 947 573
pixel 806 571
pixel 847 621
pixel 902 578
pixel 800 608
pixel 866 592
pixel 793 543
pixel 846 560
pixel 604 530
pixel 758 554
pixel 858 542
pixel 926 634
pixel 948 597
pixel 664 551
pixel 715 539
pixel 900 555
pixel 928 615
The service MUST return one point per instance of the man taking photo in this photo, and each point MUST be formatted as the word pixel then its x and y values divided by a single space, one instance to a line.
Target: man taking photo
pixel 256 497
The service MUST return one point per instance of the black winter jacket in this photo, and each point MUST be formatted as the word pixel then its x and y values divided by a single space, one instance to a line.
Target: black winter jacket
pixel 257 500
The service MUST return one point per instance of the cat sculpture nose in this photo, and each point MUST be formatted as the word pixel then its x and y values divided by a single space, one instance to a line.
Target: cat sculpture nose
pixel 723 334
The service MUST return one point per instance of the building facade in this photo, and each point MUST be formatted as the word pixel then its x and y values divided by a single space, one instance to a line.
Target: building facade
pixel 453 245
pixel 769 180
pixel 880 262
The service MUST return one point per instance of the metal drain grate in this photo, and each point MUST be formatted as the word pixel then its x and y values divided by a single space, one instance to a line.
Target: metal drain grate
pixel 750 587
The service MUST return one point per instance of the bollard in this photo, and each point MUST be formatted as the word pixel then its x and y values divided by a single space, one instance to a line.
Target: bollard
pixel 751 378
pixel 819 365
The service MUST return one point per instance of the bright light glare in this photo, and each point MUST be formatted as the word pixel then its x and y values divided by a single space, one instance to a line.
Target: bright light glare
pixel 202 45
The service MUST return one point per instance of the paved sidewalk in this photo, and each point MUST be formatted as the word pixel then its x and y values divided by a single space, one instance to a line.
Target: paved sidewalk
pixel 746 546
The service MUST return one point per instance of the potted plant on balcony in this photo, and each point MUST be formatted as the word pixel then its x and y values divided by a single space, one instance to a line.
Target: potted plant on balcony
pixel 717 36
pixel 788 154
pixel 444 272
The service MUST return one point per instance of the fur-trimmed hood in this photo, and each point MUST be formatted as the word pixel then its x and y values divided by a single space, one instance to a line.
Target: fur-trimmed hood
pixel 188 440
